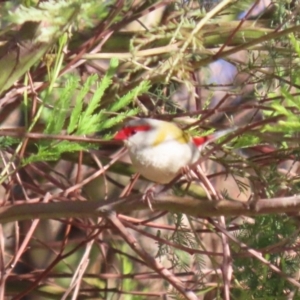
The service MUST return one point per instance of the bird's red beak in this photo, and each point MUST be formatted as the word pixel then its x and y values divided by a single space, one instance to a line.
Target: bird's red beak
pixel 120 135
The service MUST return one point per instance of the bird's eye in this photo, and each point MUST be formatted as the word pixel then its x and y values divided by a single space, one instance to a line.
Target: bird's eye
pixel 130 131
pixel 133 132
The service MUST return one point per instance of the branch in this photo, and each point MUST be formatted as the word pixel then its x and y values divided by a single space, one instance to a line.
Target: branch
pixel 151 262
pixel 187 205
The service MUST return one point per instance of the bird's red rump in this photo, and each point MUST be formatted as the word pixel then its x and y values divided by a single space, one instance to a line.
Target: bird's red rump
pixel 198 141
pixel 127 132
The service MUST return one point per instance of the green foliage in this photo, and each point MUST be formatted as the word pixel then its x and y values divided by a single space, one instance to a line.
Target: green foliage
pixel 84 119
pixel 57 117
pixel 270 235
pixel 179 258
pixel 40 27
pixel 84 33
pixel 290 106
pixel 128 268
pixel 53 151
pixel 56 12
pixel 245 140
pixel 291 123
pixel 6 141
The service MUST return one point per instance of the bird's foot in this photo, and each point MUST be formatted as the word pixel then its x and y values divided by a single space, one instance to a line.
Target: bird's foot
pixel 149 195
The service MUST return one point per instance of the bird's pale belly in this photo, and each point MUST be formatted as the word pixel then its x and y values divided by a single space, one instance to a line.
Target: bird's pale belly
pixel 163 163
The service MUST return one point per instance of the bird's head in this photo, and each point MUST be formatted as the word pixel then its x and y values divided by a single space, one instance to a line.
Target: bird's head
pixel 150 132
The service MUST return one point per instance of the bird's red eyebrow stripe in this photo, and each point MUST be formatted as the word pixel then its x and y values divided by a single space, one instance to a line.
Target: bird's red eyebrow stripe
pixel 138 128
pixel 128 131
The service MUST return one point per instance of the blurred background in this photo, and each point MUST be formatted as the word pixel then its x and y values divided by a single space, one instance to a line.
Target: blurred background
pixel 81 69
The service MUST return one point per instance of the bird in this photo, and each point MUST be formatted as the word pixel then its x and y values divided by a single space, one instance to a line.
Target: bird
pixel 159 150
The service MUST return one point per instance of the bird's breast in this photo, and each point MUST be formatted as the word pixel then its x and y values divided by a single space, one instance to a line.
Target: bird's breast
pixel 161 163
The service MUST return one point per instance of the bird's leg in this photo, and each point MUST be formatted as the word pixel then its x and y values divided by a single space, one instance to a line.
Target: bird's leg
pixel 154 189
pixel 148 195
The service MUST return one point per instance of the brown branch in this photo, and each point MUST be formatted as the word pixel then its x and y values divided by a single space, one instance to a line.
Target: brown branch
pixel 151 261
pixel 187 205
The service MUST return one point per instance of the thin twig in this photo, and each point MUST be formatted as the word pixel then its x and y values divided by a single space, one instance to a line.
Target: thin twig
pixel 151 262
